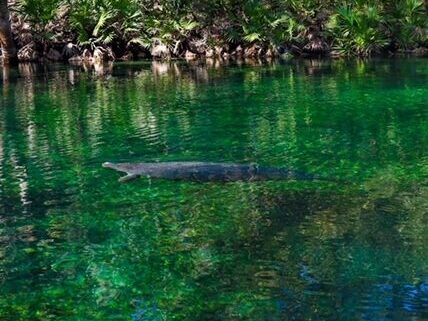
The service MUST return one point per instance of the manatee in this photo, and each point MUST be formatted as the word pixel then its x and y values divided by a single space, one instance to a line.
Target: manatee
pixel 207 172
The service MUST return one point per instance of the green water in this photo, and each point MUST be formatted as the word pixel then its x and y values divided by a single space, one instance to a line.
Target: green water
pixel 77 245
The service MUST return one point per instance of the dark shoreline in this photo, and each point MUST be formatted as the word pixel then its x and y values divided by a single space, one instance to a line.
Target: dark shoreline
pixel 196 70
pixel 80 60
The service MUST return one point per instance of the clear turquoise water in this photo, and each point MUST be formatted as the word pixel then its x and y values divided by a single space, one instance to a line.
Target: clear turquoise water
pixel 77 245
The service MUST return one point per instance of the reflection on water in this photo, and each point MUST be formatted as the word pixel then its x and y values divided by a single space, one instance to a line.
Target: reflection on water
pixel 77 245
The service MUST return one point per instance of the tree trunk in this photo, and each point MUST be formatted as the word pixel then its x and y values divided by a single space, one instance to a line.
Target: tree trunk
pixel 6 39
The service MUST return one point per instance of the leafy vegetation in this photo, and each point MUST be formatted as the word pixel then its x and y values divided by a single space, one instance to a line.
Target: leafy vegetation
pixel 359 27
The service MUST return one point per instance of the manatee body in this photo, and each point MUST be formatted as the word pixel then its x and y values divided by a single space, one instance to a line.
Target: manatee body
pixel 206 172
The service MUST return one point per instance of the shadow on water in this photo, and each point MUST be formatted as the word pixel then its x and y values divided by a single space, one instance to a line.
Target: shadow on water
pixel 75 244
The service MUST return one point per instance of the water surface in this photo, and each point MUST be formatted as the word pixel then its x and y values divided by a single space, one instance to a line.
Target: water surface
pixel 77 245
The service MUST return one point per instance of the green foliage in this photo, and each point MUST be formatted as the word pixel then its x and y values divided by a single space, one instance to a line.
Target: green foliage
pixel 170 31
pixel 359 27
pixel 265 24
pixel 38 12
pixel 408 23
pixel 106 21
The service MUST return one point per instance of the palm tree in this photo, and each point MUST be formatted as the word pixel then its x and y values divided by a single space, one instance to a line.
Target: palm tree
pixel 6 40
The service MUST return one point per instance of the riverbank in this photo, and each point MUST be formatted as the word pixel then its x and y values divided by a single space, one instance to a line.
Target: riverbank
pixel 104 30
pixel 75 55
pixel 194 70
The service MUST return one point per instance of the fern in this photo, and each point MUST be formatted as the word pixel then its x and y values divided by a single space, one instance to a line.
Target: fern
pixel 254 36
pixel 102 20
